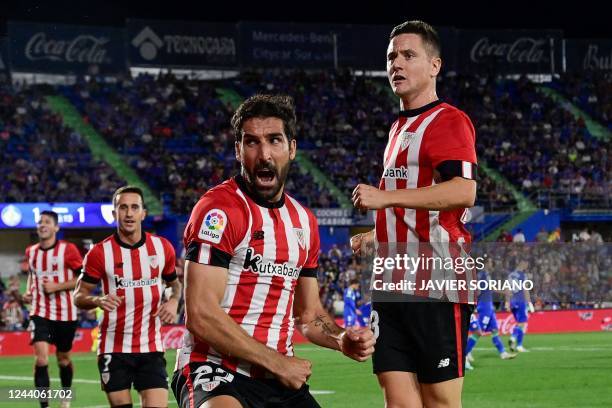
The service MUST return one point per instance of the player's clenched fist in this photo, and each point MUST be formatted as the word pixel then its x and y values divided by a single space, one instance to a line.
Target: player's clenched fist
pixel 110 302
pixel 358 344
pixel 363 240
pixel 369 198
pixel 293 372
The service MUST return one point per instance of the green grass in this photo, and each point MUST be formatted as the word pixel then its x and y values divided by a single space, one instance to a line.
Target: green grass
pixel 564 370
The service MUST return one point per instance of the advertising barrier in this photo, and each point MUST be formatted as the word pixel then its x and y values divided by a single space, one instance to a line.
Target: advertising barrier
pixel 66 49
pixel 589 55
pixel 560 321
pixel 181 44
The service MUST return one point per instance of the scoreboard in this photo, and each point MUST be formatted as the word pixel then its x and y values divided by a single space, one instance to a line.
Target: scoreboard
pixel 71 215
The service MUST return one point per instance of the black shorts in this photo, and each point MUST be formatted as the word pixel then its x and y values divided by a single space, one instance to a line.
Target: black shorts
pixel 118 371
pixel 199 382
pixel 54 332
pixel 427 338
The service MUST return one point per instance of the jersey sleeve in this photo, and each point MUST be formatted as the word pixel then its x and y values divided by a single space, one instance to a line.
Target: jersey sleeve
pixel 312 259
pixel 73 258
pixel 451 146
pixel 169 272
pixel 93 265
pixel 216 226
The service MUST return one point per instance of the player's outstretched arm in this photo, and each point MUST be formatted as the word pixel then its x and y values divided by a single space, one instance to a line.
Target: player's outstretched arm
pixel 204 318
pixel 455 193
pixel 319 327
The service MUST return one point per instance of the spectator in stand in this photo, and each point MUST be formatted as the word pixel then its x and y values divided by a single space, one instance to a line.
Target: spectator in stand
pixel 519 237
pixel 12 313
pixel 595 237
pixel 542 235
pixel 504 236
pixel 584 235
pixel 555 235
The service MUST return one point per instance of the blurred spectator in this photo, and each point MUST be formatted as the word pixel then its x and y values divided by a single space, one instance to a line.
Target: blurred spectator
pixel 519 236
pixel 542 235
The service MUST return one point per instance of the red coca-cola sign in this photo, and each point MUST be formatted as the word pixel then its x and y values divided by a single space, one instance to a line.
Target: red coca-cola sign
pixel 172 336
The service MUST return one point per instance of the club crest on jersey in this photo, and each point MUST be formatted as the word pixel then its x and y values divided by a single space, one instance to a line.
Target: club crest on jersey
pixel 299 234
pixel 153 261
pixel 213 225
pixel 407 137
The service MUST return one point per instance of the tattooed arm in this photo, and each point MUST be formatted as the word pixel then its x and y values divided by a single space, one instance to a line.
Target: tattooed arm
pixel 320 328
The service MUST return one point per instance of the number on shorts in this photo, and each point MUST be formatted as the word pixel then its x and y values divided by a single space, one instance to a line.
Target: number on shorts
pixel 107 360
pixel 374 323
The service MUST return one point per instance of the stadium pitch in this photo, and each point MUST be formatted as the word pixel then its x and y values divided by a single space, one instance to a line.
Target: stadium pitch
pixel 562 370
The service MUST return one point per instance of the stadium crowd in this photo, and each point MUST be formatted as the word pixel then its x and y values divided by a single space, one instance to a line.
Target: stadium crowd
pixel 591 91
pixel 41 159
pixel 175 133
pixel 536 144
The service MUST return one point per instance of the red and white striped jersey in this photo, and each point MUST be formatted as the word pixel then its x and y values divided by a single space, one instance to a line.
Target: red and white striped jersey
pixel 266 248
pixel 425 144
pixel 134 272
pixel 59 263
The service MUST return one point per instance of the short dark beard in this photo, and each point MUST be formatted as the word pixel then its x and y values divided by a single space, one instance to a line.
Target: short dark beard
pixel 281 178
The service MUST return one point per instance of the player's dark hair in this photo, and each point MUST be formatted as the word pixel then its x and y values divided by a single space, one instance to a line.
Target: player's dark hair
pixel 354 282
pixel 51 214
pixel 266 106
pixel 128 189
pixel 428 34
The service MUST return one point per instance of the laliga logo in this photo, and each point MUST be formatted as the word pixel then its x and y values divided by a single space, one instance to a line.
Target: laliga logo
pixel 213 225
pixel 174 337
pixel 215 221
pixel 11 216
pixel 148 43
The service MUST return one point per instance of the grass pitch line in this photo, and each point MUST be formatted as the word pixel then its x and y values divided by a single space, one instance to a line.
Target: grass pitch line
pixel 21 378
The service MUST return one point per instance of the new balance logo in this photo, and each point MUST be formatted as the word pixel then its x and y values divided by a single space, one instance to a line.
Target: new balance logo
pixel 258 236
pixel 445 362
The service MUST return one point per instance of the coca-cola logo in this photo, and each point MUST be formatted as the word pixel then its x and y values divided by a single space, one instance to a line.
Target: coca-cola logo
pixel 507 325
pixel 593 60
pixel 524 50
pixel 173 338
pixel 87 49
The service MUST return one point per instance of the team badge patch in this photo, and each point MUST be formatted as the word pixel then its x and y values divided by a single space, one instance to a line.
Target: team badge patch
pixel 407 137
pixel 299 234
pixel 105 377
pixel 213 225
pixel 153 261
